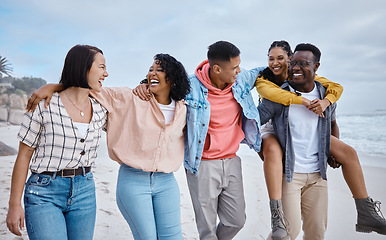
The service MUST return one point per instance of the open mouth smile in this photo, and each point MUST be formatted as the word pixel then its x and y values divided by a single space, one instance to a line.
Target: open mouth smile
pixel 154 82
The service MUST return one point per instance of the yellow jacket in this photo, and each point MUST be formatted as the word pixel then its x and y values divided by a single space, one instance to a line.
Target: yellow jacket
pixel 274 93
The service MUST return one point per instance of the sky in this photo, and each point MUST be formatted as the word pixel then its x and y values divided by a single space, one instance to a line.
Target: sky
pixel 35 36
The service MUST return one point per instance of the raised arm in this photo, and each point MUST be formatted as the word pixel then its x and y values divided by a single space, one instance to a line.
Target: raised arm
pixel 274 93
pixel 333 90
pixel 142 91
pixel 15 216
pixel 333 93
pixel 44 92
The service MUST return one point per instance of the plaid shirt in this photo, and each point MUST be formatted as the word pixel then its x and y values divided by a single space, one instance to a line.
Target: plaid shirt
pixel 58 143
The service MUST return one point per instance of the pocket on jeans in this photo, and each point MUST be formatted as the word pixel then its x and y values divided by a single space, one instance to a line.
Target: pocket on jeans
pixel 37 188
pixel 39 180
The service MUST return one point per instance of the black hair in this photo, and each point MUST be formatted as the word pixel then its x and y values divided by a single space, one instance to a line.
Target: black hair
pixel 267 73
pixel 282 44
pixel 222 51
pixel 77 64
pixel 176 73
pixel 311 48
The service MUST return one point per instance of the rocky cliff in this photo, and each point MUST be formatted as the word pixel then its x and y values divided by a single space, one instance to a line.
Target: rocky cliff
pixel 12 107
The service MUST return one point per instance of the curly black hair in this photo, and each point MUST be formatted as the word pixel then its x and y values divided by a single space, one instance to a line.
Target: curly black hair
pixel 176 73
pixel 267 73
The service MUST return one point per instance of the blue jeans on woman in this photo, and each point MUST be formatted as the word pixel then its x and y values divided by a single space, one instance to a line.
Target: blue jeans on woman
pixel 60 208
pixel 150 203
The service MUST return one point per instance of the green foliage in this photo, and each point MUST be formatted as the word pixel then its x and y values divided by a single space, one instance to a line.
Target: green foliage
pixel 28 84
pixel 19 92
pixel 20 85
pixel 5 67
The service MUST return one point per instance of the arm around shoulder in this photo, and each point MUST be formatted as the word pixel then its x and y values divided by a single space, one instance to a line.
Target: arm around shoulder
pixel 274 93
pixel 334 90
pixel 112 97
pixel 44 92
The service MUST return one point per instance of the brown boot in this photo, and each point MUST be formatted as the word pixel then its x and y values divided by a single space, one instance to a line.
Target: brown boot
pixel 370 217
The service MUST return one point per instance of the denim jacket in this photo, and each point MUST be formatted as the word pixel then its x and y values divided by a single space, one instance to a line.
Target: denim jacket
pixel 198 115
pixel 279 115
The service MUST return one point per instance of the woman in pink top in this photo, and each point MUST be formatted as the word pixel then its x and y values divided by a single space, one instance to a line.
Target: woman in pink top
pixel 147 191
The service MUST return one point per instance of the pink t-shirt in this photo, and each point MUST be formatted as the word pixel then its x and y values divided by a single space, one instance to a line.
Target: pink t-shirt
pixel 224 132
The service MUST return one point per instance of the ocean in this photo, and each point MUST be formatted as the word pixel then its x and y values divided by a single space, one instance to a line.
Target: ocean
pixel 366 133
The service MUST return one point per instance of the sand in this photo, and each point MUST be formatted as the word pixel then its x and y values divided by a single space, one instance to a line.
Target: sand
pixel 111 225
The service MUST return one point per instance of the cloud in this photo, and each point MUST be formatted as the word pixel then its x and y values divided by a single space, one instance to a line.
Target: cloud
pixel 35 35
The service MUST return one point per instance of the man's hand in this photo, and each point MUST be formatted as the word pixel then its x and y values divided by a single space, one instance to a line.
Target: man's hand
pixel 15 219
pixel 143 92
pixel 332 162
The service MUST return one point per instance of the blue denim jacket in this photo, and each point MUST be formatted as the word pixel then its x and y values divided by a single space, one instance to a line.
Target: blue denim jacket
pixel 279 115
pixel 198 115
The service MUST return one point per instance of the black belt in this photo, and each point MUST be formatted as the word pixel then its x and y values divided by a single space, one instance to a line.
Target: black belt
pixel 69 172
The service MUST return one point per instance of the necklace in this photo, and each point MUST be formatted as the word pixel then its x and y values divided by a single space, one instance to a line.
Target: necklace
pixel 81 111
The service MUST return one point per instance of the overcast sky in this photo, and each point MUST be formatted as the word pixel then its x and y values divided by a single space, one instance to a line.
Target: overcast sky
pixel 35 36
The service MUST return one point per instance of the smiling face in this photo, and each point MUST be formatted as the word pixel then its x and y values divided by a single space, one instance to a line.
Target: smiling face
pixel 97 73
pixel 156 78
pixel 278 62
pixel 226 72
pixel 302 70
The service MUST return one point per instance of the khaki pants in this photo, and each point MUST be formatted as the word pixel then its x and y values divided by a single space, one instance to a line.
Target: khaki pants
pixel 306 198
pixel 218 190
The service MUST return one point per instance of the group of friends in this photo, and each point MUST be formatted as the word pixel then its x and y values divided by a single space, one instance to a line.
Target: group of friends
pixel 198 120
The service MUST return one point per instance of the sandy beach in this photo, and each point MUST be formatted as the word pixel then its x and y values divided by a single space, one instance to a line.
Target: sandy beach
pixel 111 225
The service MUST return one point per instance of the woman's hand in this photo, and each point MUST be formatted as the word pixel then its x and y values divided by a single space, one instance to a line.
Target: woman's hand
pixel 44 92
pixel 306 102
pixel 318 106
pixel 143 92
pixel 15 216
pixel 15 219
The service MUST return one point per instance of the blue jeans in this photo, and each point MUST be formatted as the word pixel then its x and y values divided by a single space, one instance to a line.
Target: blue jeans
pixel 60 207
pixel 150 203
